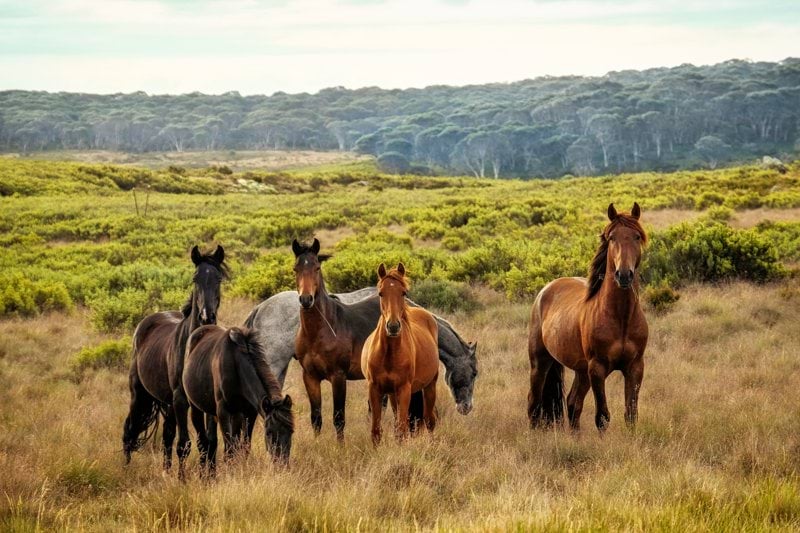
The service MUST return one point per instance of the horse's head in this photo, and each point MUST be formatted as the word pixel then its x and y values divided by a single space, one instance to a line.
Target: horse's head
pixel 460 377
pixel 278 427
pixel 208 275
pixel 392 289
pixel 625 239
pixel 308 271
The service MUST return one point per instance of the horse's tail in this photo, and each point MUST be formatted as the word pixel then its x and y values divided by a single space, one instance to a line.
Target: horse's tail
pixel 553 394
pixel 142 420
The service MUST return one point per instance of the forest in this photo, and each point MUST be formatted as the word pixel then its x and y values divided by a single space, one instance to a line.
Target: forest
pixel 661 119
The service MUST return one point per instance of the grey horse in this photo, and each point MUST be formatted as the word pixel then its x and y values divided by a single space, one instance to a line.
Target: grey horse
pixel 278 319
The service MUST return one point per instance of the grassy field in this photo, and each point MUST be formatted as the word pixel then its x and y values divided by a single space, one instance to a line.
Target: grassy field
pixel 718 442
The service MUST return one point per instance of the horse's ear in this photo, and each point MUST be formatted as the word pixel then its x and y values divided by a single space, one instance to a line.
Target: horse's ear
pixel 636 212
pixel 315 246
pixel 235 335
pixel 381 271
pixel 219 255
pixel 297 248
pixel 196 256
pixel 401 268
pixel 612 212
pixel 287 401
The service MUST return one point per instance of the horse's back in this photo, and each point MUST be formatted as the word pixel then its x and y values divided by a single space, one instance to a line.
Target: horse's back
pixel 555 320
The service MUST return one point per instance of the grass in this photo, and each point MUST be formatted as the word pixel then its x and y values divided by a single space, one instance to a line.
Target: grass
pixel 717 446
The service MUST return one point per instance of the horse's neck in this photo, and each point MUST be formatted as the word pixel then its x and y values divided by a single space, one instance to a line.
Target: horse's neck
pixel 320 316
pixel 621 303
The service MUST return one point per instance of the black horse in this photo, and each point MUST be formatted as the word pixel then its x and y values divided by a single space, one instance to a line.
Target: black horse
pixel 227 380
pixel 159 344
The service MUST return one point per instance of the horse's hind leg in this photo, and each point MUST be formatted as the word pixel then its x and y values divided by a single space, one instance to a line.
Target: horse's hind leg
pixel 339 386
pixel 198 421
pixel 598 371
pixel 633 382
pixel 577 394
pixel 430 405
pixel 180 406
pixel 541 361
pixel 315 399
pixel 168 437
pixel 211 435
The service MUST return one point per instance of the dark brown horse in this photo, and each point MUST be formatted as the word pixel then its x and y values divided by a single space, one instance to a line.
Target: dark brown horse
pixel 158 348
pixel 226 377
pixel 401 356
pixel 331 335
pixel 592 326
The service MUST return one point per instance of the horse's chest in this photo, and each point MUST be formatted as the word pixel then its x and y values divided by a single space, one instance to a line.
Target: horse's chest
pixel 324 363
pixel 613 344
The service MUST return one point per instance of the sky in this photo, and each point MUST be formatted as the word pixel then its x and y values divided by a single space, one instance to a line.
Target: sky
pixel 260 47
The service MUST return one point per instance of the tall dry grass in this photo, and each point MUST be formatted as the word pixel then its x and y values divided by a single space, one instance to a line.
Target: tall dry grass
pixel 717 446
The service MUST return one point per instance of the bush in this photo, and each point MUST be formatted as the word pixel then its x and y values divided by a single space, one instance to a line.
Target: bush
pixel 124 310
pixel 22 297
pixel 268 275
pixel 662 298
pixel 443 295
pixel 708 251
pixel 113 354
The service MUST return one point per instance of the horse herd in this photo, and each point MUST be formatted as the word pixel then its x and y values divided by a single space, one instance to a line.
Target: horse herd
pixel 184 365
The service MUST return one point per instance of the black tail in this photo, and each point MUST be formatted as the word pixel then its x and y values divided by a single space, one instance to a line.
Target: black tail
pixel 142 421
pixel 553 394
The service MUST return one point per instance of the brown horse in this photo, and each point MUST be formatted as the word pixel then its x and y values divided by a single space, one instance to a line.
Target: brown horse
pixel 330 337
pixel 592 326
pixel 158 347
pixel 226 378
pixel 401 356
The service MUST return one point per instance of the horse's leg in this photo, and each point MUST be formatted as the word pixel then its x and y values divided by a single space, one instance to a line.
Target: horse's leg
pixel 237 430
pixel 430 405
pixel 403 395
pixel 633 382
pixel 168 437
pixel 375 401
pixel 598 371
pixel 416 411
pixel 211 435
pixel 180 406
pixel 339 386
pixel 577 394
pixel 315 399
pixel 228 436
pixel 198 421
pixel 540 365
pixel 250 422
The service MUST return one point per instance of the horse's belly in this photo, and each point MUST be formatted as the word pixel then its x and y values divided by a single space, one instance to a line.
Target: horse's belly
pixel 561 337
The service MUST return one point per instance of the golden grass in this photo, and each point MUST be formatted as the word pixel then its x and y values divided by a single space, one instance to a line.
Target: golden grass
pixel 717 446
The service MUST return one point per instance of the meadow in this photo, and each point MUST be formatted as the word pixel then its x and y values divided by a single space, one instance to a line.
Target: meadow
pixel 718 442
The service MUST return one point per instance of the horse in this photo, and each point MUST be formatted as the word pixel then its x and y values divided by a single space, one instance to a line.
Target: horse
pixel 278 319
pixel 159 343
pixel 329 340
pixel 227 380
pixel 400 357
pixel 593 326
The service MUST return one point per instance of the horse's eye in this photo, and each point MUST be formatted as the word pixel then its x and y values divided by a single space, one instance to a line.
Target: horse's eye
pixel 638 237
pixel 380 295
pixel 405 293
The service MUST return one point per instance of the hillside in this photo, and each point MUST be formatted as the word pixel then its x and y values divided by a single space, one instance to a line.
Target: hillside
pixel 656 119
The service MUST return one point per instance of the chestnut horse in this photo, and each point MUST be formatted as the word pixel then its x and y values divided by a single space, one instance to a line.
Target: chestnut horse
pixel 592 326
pixel 226 378
pixel 401 356
pixel 158 348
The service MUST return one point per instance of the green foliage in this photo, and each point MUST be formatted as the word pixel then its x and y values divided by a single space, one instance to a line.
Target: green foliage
pixel 23 297
pixel 269 274
pixel 661 298
pixel 709 251
pixel 443 295
pixel 111 354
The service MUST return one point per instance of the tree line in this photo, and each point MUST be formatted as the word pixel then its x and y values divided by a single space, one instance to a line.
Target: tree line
pixel 655 119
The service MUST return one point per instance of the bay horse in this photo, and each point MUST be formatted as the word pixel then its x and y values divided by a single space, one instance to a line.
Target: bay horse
pixel 594 327
pixel 331 334
pixel 159 343
pixel 227 380
pixel 400 357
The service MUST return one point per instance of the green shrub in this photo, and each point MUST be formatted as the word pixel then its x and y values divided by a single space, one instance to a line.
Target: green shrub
pixel 661 298
pixel 443 295
pixel 268 275
pixel 112 354
pixel 22 297
pixel 122 311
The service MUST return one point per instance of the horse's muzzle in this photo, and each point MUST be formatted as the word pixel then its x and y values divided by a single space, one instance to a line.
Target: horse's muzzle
pixel 464 408
pixel 624 278
pixel 307 300
pixel 393 329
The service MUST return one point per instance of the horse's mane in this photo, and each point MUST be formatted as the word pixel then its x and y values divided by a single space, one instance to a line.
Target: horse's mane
pixel 597 268
pixel 250 344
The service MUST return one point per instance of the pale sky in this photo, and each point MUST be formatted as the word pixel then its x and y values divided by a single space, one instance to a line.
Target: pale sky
pixel 263 46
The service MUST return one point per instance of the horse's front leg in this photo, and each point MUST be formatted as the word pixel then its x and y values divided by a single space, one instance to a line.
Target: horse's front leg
pixel 598 371
pixel 403 395
pixel 376 409
pixel 229 437
pixel 339 386
pixel 314 392
pixel 633 373
pixel 429 408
